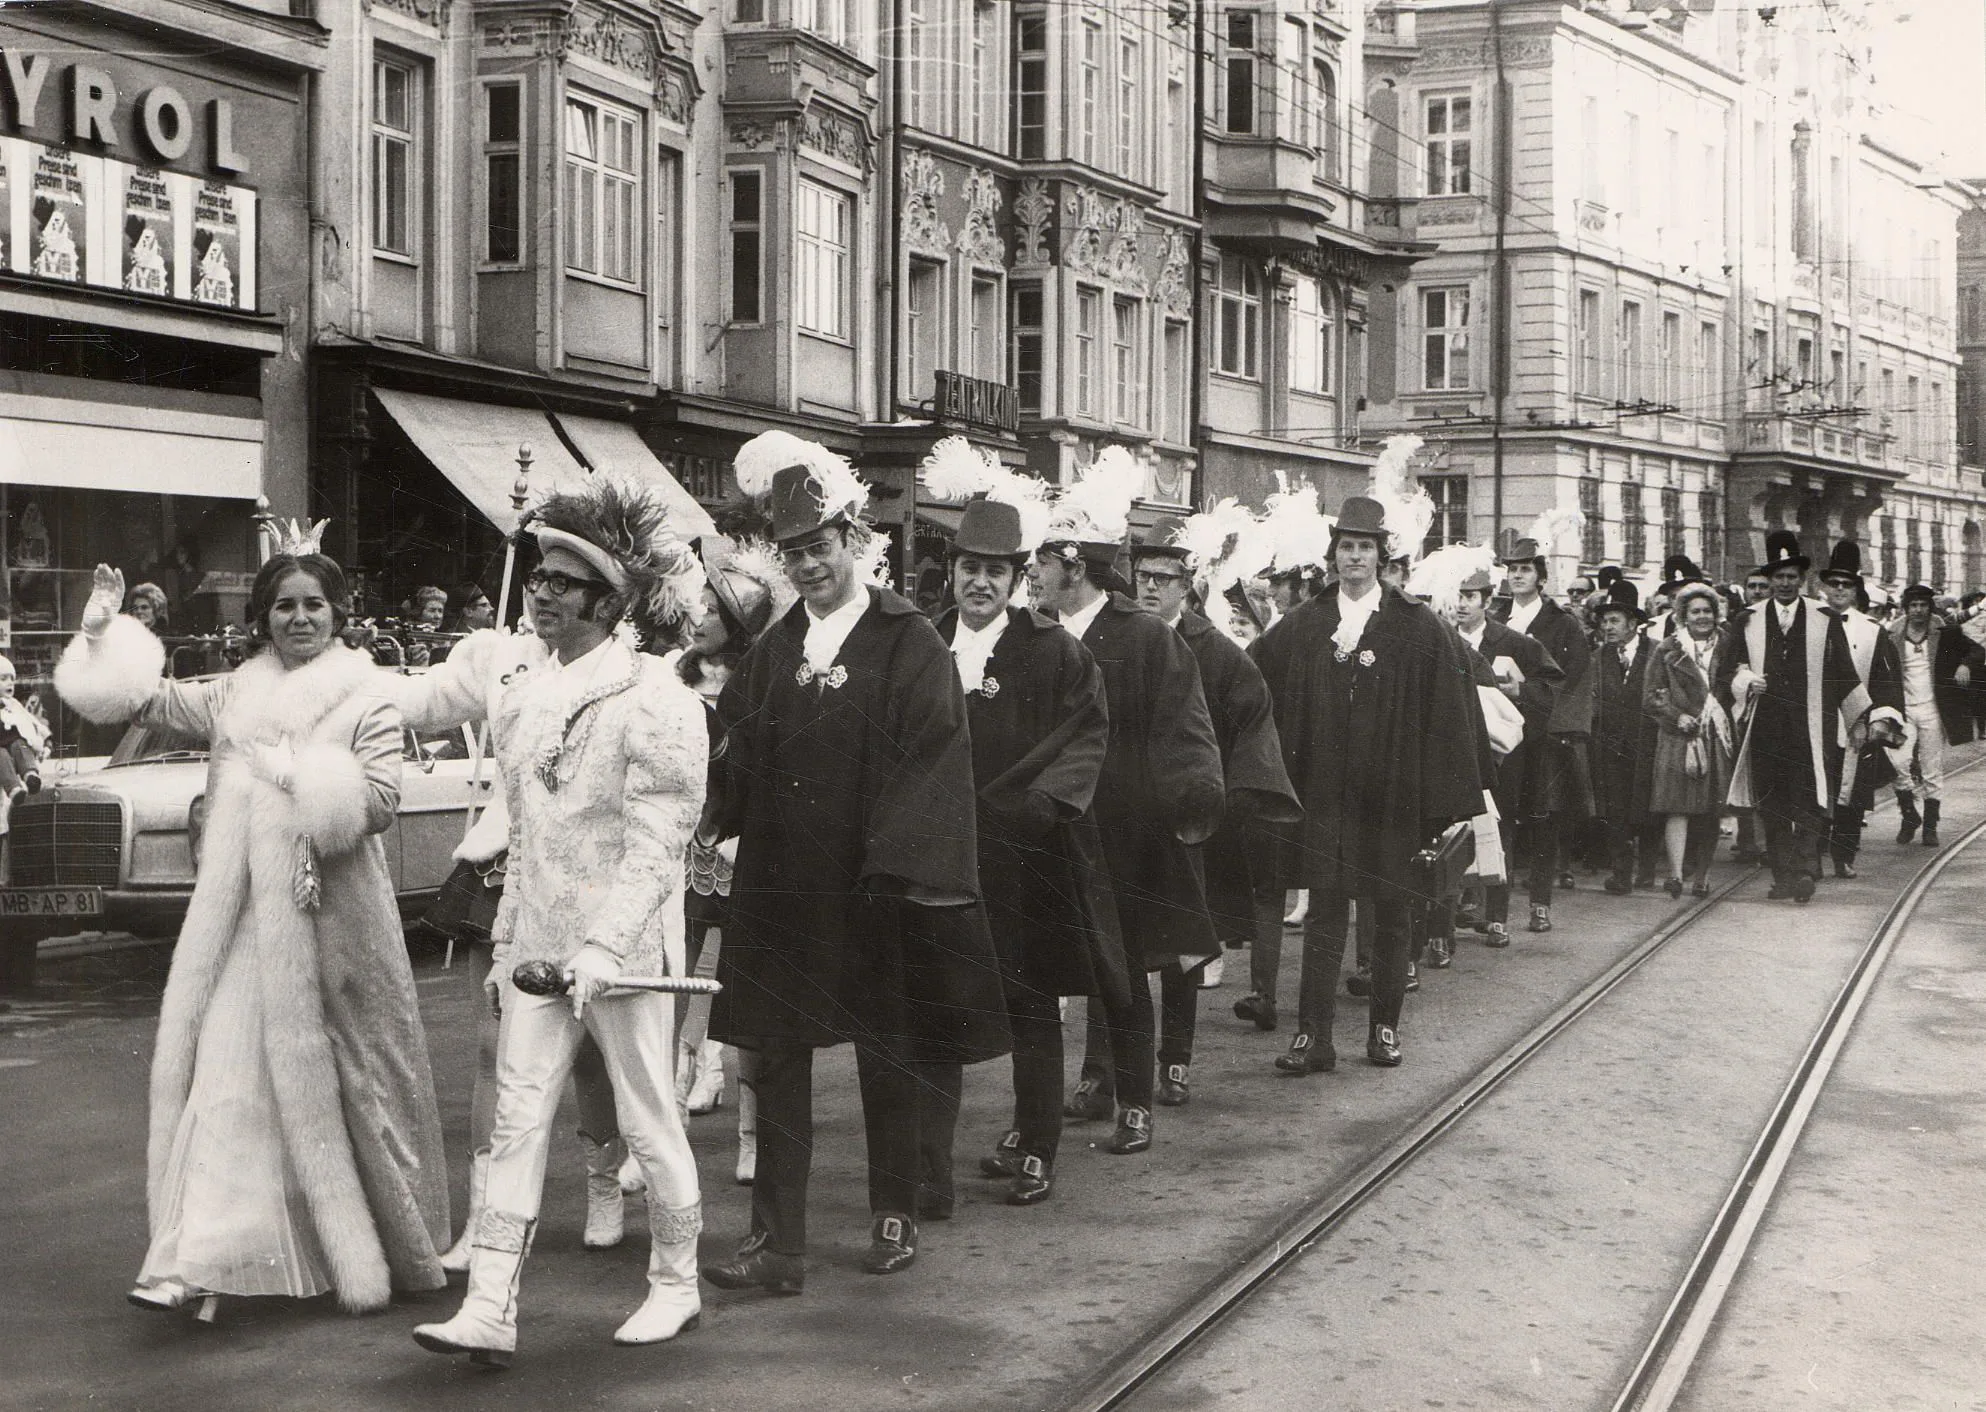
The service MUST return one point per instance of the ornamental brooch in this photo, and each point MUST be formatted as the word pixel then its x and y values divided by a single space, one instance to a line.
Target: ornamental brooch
pixel 989 687
pixel 835 677
pixel 1366 659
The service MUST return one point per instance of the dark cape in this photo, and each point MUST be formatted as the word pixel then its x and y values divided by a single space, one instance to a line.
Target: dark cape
pixel 1521 782
pixel 1259 793
pixel 1560 760
pixel 1040 726
pixel 1624 736
pixel 1161 792
pixel 844 797
pixel 1380 745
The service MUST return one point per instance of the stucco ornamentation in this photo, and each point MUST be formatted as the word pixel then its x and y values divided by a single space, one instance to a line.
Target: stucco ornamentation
pixel 836 136
pixel 1089 213
pixel 1173 290
pixel 924 230
pixel 980 240
pixel 1034 210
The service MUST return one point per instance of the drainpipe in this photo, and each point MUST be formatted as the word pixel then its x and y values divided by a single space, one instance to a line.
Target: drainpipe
pixel 892 189
pixel 1505 130
pixel 1197 393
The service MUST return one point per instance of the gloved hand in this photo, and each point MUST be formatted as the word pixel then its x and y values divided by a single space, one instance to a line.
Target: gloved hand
pixel 275 762
pixel 106 599
pixel 591 973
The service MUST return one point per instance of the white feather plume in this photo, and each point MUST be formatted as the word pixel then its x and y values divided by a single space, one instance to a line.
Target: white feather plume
pixel 1295 532
pixel 1552 526
pixel 1439 577
pixel 770 452
pixel 955 470
pixel 1097 508
pixel 1409 509
pixel 1225 545
pixel 1029 496
pixel 872 558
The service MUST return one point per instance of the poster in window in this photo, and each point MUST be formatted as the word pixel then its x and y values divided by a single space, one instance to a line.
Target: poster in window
pixel 217 247
pixel 6 205
pixel 146 236
pixel 58 216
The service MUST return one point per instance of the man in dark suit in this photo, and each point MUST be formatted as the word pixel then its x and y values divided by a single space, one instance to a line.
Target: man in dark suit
pixel 1623 735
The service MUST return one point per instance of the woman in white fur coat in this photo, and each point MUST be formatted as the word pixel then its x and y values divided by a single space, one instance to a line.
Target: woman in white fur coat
pixel 295 1147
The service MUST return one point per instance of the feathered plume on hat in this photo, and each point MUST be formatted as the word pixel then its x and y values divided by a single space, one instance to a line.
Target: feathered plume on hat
pixel 628 523
pixel 1096 509
pixel 956 470
pixel 1297 533
pixel 1440 576
pixel 770 452
pixel 756 562
pixel 1224 546
pixel 1553 525
pixel 1409 509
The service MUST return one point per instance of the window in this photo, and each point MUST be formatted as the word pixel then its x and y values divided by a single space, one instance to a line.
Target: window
pixel 395 100
pixel 503 188
pixel 1311 331
pixel 601 186
pixel 827 18
pixel 1914 549
pixel 922 317
pixel 747 247
pixel 1178 369
pixel 1324 92
pixel 820 265
pixel 1627 375
pixel 1089 313
pixel 1634 527
pixel 988 344
pixel 914 22
pixel 1238 112
pixel 1449 122
pixel 1673 541
pixel 1803 366
pixel 1936 416
pixel 1031 86
pixel 1237 318
pixel 1450 525
pixel 750 12
pixel 1125 362
pixel 1593 536
pixel 1445 338
pixel 1913 420
pixel 1090 92
pixel 1759 376
pixel 979 80
pixel 668 262
pixel 1888 402
pixel 1710 514
pixel 1129 120
pixel 1710 370
pixel 1937 555
pixel 1672 360
pixel 1889 548
pixel 1837 372
pixel 1586 368
pixel 1030 346
pixel 1630 160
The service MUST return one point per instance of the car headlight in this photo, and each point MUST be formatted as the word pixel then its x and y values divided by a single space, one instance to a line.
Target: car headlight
pixel 161 858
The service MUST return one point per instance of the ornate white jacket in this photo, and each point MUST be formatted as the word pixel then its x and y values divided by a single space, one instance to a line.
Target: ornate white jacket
pixel 604 786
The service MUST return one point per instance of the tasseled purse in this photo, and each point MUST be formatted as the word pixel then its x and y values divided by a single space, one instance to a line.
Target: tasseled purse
pixel 307 876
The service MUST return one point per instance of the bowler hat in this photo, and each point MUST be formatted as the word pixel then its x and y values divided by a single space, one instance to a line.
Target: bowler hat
pixel 1361 515
pixel 1162 537
pixel 800 504
pixel 1782 551
pixel 990 529
pixel 1845 561
pixel 1521 551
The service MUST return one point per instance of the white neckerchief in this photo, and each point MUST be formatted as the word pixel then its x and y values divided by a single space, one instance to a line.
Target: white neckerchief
pixel 973 650
pixel 1700 652
pixel 1786 612
pixel 1475 638
pixel 1628 649
pixel 1354 614
pixel 1521 617
pixel 1079 621
pixel 825 635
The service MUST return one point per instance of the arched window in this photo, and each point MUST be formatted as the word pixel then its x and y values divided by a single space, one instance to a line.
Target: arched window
pixel 1324 93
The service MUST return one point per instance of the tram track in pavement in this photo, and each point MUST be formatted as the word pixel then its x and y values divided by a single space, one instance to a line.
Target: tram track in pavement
pixel 1662 1368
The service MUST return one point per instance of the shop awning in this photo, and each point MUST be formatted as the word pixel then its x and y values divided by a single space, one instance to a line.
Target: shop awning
pixel 84 445
pixel 475 445
pixel 615 446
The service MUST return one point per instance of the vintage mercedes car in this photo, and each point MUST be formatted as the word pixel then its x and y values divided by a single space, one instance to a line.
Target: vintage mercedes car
pixel 117 847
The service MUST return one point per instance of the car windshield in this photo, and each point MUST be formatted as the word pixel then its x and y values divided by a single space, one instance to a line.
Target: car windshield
pixel 144 744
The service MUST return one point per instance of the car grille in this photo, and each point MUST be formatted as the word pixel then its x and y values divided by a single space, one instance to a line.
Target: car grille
pixel 57 844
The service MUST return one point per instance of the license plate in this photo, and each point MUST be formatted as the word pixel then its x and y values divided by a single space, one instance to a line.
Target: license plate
pixel 51 902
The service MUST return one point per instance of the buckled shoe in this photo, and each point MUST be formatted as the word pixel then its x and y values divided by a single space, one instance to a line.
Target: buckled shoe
pixel 892 1245
pixel 1134 1132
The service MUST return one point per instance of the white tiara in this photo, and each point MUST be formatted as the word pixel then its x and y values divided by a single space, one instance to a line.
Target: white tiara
pixel 293 537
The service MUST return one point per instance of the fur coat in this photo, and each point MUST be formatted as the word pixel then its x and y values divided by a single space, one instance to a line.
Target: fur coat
pixel 347 1055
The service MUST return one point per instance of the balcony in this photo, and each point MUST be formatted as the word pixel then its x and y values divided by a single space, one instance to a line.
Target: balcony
pixel 780 70
pixel 1268 191
pixel 1428 217
pixel 1776 433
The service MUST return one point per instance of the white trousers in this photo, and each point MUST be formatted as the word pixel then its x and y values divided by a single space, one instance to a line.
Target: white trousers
pixel 635 1031
pixel 1920 760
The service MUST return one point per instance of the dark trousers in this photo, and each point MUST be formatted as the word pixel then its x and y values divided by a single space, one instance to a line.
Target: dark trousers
pixel 939 1090
pixel 1117 1049
pixel 1036 1020
pixel 1265 954
pixel 1324 957
pixel 1633 845
pixel 1844 833
pixel 1540 838
pixel 893 1104
pixel 1792 838
pixel 1179 1012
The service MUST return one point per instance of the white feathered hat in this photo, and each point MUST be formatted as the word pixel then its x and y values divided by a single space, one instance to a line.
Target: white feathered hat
pixel 1296 532
pixel 1224 546
pixel 1095 511
pixel 1442 575
pixel 1409 509
pixel 958 472
pixel 804 484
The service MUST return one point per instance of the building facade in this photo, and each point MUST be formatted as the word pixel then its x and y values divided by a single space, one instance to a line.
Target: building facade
pixel 154 292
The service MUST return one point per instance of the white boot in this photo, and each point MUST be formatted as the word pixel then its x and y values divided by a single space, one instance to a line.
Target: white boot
pixel 605 1220
pixel 706 1092
pixel 485 1327
pixel 746 1066
pixel 633 1181
pixel 673 1305
pixel 455 1259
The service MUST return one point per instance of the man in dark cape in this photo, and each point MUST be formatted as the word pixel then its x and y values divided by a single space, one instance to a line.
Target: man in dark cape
pixel 1525 673
pixel 1371 701
pixel 1865 766
pixel 854 903
pixel 1258 787
pixel 1623 752
pixel 1039 733
pixel 1160 794
pixel 1563 793
pixel 1785 673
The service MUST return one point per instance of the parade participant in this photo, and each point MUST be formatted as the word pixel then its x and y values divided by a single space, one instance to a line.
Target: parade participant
pixel 1244 885
pixel 1785 674
pixel 295 1146
pixel 1691 766
pixel 1295 535
pixel 1563 794
pixel 854 913
pixel 1160 793
pixel 1874 655
pixel 1938 662
pixel 602 753
pixel 1526 674
pixel 1040 730
pixel 1623 737
pixel 23 744
pixel 1372 703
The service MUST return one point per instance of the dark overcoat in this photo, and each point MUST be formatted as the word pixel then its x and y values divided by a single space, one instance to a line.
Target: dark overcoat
pixel 1790 752
pixel 1259 793
pixel 844 795
pixel 1561 760
pixel 1521 781
pixel 1039 725
pixel 1624 735
pixel 1380 745
pixel 1161 790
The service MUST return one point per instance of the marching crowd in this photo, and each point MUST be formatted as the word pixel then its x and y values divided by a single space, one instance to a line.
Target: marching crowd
pixel 1112 758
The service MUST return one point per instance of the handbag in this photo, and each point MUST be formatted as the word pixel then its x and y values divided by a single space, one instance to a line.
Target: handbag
pixel 1696 759
pixel 1439 870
